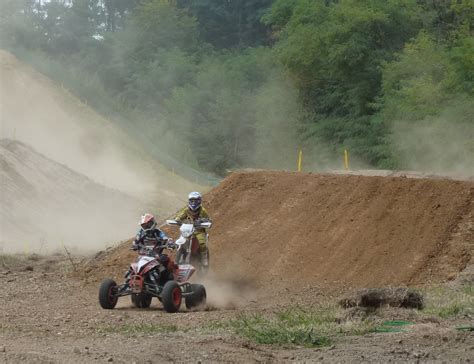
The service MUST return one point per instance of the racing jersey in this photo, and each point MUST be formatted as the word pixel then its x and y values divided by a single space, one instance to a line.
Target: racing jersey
pixel 154 237
pixel 186 215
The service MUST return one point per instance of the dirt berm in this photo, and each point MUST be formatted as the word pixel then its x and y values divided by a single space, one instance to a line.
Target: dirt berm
pixel 294 230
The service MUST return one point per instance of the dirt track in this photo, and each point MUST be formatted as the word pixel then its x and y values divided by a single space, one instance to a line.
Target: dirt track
pixel 280 241
pixel 297 230
pixel 47 317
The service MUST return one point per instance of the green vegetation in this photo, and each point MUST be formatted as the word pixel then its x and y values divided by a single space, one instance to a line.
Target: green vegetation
pixel 219 85
pixel 9 261
pixel 448 303
pixel 313 327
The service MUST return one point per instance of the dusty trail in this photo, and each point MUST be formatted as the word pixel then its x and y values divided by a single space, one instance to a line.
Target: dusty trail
pixel 287 231
pixel 49 317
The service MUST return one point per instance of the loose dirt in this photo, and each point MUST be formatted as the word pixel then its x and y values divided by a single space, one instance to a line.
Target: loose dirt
pixel 284 240
pixel 48 316
pixel 290 230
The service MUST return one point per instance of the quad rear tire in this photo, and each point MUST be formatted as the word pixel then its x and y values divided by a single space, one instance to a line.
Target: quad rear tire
pixel 198 298
pixel 141 300
pixel 171 296
pixel 107 291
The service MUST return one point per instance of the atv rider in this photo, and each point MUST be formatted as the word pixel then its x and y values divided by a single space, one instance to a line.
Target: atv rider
pixel 150 235
pixel 192 213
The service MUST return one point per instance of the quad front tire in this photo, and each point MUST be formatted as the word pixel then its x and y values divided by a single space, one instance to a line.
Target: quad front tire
pixel 107 292
pixel 171 296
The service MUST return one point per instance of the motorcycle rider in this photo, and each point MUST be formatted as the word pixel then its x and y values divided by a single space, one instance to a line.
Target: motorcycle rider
pixel 191 213
pixel 150 235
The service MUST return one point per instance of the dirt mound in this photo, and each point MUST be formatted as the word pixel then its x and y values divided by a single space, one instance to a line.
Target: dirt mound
pixel 45 204
pixel 282 229
pixel 340 230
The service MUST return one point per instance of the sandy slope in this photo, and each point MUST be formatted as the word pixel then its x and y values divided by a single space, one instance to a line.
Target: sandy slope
pixel 44 115
pixel 44 204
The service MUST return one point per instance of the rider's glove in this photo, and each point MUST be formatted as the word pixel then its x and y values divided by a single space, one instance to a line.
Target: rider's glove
pixel 134 247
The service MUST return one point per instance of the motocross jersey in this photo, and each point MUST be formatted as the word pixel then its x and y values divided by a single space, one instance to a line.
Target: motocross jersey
pixel 186 215
pixel 154 237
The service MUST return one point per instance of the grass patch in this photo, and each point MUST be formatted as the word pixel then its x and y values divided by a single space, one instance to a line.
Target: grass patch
pixel 9 261
pixel 450 303
pixel 314 327
pixel 134 329
pixel 274 331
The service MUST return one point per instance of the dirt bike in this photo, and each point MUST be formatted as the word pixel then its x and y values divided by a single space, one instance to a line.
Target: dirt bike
pixel 148 278
pixel 188 245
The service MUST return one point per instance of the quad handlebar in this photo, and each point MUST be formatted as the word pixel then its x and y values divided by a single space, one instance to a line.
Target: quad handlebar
pixel 150 250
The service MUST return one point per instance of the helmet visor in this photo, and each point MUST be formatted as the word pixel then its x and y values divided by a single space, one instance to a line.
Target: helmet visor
pixel 194 203
pixel 147 225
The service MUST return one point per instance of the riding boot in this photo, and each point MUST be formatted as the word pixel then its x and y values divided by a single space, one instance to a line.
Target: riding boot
pixel 204 259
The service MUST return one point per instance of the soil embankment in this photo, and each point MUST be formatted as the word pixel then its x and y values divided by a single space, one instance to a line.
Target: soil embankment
pixel 340 230
pixel 282 229
pixel 45 204
pixel 44 115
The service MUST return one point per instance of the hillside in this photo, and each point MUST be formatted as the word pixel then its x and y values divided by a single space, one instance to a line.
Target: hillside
pixel 341 230
pixel 44 115
pixel 45 204
pixel 282 229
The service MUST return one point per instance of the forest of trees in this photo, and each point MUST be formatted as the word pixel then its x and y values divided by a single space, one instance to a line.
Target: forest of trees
pixel 226 84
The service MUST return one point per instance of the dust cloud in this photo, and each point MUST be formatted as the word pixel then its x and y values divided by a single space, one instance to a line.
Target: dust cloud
pixel 39 113
pixel 228 294
pixel 442 145
pixel 68 176
pixel 278 113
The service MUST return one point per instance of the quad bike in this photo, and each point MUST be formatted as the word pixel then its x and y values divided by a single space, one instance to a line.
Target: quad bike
pixel 148 278
pixel 188 245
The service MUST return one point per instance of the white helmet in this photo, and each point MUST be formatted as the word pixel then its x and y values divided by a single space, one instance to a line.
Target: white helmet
pixel 148 222
pixel 194 201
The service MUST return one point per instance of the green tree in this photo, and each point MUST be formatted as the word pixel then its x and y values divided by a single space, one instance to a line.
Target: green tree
pixel 230 23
